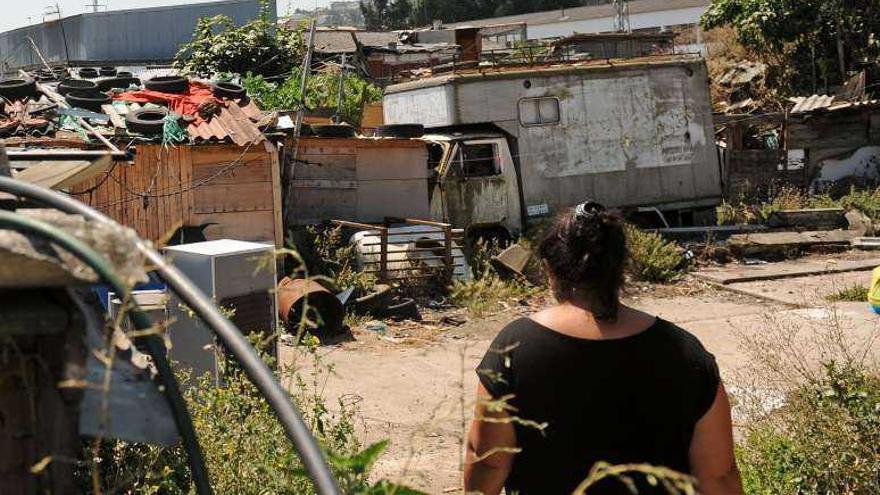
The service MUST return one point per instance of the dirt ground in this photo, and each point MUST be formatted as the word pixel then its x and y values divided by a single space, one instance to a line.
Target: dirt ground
pixel 415 383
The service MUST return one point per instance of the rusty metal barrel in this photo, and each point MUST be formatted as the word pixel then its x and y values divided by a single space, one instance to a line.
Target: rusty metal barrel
pixel 306 298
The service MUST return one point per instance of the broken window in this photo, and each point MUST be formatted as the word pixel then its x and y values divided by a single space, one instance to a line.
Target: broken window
pixel 476 160
pixel 538 111
pixel 435 155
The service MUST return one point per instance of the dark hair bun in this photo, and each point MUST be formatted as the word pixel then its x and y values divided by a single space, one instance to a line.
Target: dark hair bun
pixel 585 250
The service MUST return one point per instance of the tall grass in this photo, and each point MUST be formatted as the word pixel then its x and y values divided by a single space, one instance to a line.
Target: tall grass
pixel 653 258
pixel 752 210
pixel 488 291
pixel 246 449
pixel 823 436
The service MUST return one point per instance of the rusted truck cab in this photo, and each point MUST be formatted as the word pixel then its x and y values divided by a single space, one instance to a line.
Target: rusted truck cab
pixel 474 183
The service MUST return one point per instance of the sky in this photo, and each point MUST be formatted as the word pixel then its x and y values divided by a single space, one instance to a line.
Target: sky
pixel 20 13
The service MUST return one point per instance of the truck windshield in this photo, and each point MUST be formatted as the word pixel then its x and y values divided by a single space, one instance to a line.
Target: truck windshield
pixel 478 160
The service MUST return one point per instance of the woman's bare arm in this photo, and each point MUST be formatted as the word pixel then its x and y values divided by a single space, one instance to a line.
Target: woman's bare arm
pixel 489 445
pixel 711 453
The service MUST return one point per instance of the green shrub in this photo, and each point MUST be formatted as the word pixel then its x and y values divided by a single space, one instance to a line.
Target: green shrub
pixel 322 92
pixel 245 448
pixel 487 290
pixel 339 259
pixel 220 47
pixel 652 258
pixel 825 440
pixel 486 294
pixel 750 210
pixel 854 293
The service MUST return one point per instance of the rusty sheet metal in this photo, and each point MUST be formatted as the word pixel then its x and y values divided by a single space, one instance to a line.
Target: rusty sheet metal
pixel 237 122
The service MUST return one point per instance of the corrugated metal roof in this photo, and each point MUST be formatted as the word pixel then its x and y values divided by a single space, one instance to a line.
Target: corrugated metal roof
pixel 332 42
pixel 525 70
pixel 371 38
pixel 236 122
pixel 809 103
pixel 826 103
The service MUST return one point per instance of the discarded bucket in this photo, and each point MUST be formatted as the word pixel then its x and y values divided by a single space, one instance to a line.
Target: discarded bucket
pixel 512 260
pixel 325 310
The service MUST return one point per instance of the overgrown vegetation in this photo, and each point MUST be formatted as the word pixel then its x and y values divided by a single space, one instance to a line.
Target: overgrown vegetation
pixel 825 440
pixel 259 46
pixel 853 293
pixel 245 448
pixel 653 258
pixel 758 209
pixel 812 418
pixel 487 291
pixel 322 93
pixel 338 259
pixel 797 39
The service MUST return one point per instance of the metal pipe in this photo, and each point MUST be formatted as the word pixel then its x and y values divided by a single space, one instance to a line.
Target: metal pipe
pixel 260 374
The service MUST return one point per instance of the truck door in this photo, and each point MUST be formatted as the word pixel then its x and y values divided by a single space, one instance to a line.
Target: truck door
pixel 479 185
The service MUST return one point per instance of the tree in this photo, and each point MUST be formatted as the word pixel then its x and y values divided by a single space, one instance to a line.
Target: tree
pixel 380 15
pixel 219 46
pixel 831 36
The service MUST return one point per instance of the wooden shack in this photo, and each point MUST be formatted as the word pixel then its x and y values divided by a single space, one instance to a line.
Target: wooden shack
pixel 234 190
pixel 358 179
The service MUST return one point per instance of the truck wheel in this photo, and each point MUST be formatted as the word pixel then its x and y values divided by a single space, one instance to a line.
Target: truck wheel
pixel 497 236
pixel 333 130
pixel 118 83
pixel 88 72
pixel 404 131
pixel 168 84
pixel 228 90
pixel 18 89
pixel 68 85
pixel 147 121
pixel 87 99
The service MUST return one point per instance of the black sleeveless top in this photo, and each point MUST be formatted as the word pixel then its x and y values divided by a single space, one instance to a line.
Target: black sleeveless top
pixel 629 400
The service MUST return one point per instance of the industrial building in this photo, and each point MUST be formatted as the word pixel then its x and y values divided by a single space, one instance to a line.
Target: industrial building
pixel 135 36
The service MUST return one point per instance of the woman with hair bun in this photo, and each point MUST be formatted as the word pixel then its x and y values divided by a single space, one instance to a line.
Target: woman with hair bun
pixel 591 379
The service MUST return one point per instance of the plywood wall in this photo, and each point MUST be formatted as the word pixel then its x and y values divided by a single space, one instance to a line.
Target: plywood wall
pixel 233 187
pixel 362 180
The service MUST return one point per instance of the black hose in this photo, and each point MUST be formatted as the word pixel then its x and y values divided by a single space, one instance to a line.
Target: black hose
pixel 260 374
pixel 153 343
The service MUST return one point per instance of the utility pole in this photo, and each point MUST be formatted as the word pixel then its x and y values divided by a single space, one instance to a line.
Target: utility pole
pixel 290 166
pixel 96 6
pixel 340 94
pixel 621 16
pixel 56 10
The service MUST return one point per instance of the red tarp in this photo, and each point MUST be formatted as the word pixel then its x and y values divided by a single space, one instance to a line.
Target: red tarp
pixel 184 104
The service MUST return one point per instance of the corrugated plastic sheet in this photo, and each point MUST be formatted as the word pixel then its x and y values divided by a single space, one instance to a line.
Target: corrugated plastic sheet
pixel 236 122
pixel 826 103
pixel 808 104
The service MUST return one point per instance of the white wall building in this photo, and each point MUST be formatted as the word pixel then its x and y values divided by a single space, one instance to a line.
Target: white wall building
pixel 644 14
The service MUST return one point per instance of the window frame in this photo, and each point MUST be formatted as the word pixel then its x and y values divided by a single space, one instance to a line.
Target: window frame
pixel 537 98
pixel 457 158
